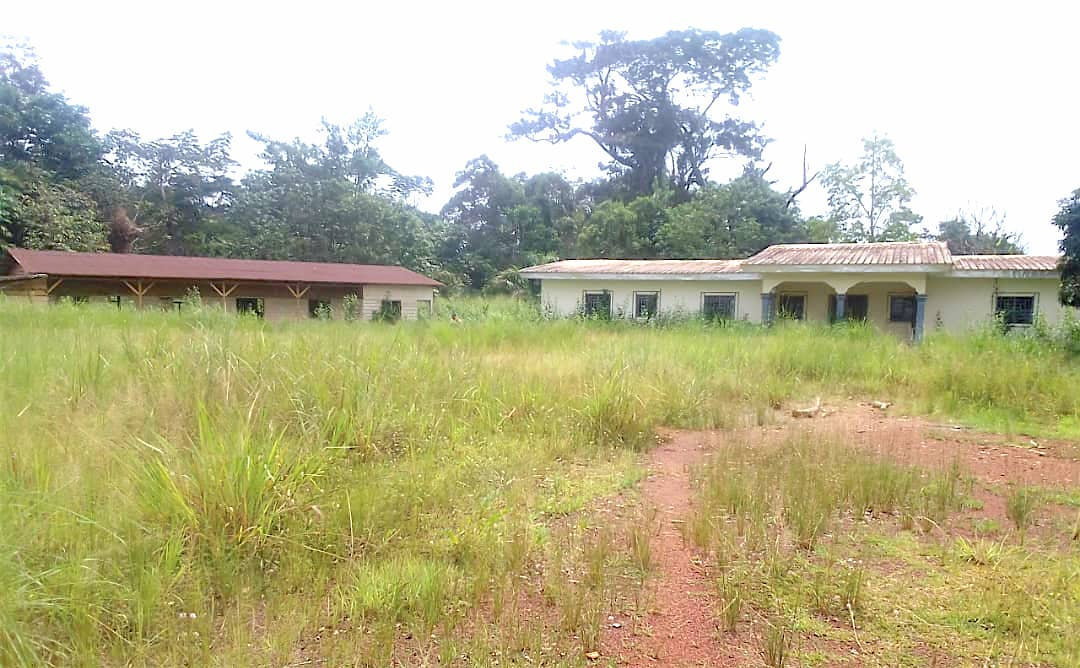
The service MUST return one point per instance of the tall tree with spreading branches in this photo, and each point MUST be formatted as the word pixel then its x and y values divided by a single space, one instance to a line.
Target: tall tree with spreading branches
pixel 655 106
pixel 1068 219
pixel 869 199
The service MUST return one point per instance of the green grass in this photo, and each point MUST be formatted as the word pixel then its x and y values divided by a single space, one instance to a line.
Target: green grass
pixel 205 489
pixel 814 530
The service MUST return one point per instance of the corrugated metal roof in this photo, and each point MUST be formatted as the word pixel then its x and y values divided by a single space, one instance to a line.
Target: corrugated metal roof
pixel 165 267
pixel 636 267
pixel 1006 262
pixel 881 253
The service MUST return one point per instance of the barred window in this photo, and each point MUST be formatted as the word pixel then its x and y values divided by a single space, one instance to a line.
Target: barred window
pixel 646 304
pixel 902 308
pixel 598 304
pixel 1015 309
pixel 718 306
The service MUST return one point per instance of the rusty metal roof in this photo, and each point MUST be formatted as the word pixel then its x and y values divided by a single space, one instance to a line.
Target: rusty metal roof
pixel 647 267
pixel 881 253
pixel 1006 262
pixel 172 267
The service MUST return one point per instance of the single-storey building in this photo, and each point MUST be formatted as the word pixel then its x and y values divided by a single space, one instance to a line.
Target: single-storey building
pixel 275 290
pixel 899 287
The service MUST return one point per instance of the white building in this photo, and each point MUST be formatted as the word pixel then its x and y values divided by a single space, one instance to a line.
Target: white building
pixel 899 287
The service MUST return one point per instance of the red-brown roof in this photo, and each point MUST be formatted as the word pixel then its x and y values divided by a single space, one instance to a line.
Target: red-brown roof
pixel 172 267
pixel 1005 262
pixel 635 267
pixel 882 253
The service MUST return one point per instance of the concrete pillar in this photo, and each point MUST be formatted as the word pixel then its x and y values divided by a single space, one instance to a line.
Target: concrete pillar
pixel 768 307
pixel 920 316
pixel 841 298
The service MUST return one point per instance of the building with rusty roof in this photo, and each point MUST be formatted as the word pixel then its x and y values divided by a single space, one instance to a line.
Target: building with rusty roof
pixel 900 287
pixel 266 288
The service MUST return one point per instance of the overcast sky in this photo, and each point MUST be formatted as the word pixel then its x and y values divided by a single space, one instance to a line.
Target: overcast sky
pixel 980 100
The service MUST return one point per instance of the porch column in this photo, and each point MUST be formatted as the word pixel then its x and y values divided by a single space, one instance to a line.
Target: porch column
pixel 768 307
pixel 841 298
pixel 920 316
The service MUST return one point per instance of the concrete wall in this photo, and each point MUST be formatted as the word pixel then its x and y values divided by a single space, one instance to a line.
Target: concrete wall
pixel 956 304
pixel 564 297
pixel 953 303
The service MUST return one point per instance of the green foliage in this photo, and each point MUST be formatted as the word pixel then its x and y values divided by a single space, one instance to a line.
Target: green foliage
pixel 651 104
pixel 732 220
pixel 978 233
pixel 1068 219
pixel 869 200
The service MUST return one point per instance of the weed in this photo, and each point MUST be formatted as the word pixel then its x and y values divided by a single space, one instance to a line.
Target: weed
pixel 1020 506
pixel 777 642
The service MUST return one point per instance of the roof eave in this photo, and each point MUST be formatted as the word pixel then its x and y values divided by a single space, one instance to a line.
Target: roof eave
pixel 564 275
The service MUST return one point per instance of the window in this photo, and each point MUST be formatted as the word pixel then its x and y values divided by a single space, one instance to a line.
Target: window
pixel 389 310
pixel 423 308
pixel 1015 309
pixel 856 307
pixel 598 305
pixel 250 306
pixel 791 306
pixel 319 308
pixel 646 304
pixel 902 308
pixel 718 306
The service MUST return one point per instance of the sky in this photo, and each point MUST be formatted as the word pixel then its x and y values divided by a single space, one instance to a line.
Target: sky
pixel 979 98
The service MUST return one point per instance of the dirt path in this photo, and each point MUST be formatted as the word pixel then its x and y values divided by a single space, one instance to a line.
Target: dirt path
pixel 680 628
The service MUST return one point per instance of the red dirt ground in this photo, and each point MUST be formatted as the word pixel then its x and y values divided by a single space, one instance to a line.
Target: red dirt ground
pixel 680 628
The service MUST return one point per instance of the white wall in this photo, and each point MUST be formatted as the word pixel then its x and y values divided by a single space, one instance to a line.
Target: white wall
pixel 956 304
pixel 564 297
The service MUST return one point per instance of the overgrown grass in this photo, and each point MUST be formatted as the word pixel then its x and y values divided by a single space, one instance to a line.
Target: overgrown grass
pixel 855 549
pixel 200 488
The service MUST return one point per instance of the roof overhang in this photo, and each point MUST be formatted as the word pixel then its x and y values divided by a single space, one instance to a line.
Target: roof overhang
pixel 726 276
pixel 852 268
pixel 1002 273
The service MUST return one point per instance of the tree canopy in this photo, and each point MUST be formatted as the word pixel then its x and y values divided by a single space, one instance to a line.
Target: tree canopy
pixel 869 199
pixel 654 106
pixel 1068 219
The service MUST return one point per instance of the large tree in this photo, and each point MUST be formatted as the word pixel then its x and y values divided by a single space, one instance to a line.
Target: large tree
pixel 49 156
pixel 978 233
pixel 735 219
pixel 869 199
pixel 655 106
pixel 1068 219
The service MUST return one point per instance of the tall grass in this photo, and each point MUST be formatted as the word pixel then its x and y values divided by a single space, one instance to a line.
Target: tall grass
pixel 266 480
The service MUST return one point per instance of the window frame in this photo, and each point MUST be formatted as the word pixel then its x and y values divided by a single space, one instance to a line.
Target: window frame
pixel 313 307
pixel 260 306
pixel 914 307
pixel 734 305
pixel 831 305
pixel 656 311
pixel 802 295
pixel 585 302
pixel 1034 296
pixel 388 312
pixel 427 310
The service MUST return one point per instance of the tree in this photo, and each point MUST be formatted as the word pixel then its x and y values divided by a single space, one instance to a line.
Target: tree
pixel 978 233
pixel 651 105
pixel 732 220
pixel 172 188
pixel 1068 219
pixel 48 156
pixel 869 200
pixel 617 229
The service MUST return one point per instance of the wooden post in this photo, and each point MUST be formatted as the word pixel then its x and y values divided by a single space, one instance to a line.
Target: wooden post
pixel 224 293
pixel 49 288
pixel 298 291
pixel 139 289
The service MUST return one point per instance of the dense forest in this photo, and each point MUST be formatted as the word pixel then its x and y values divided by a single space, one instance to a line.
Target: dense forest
pixel 661 110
